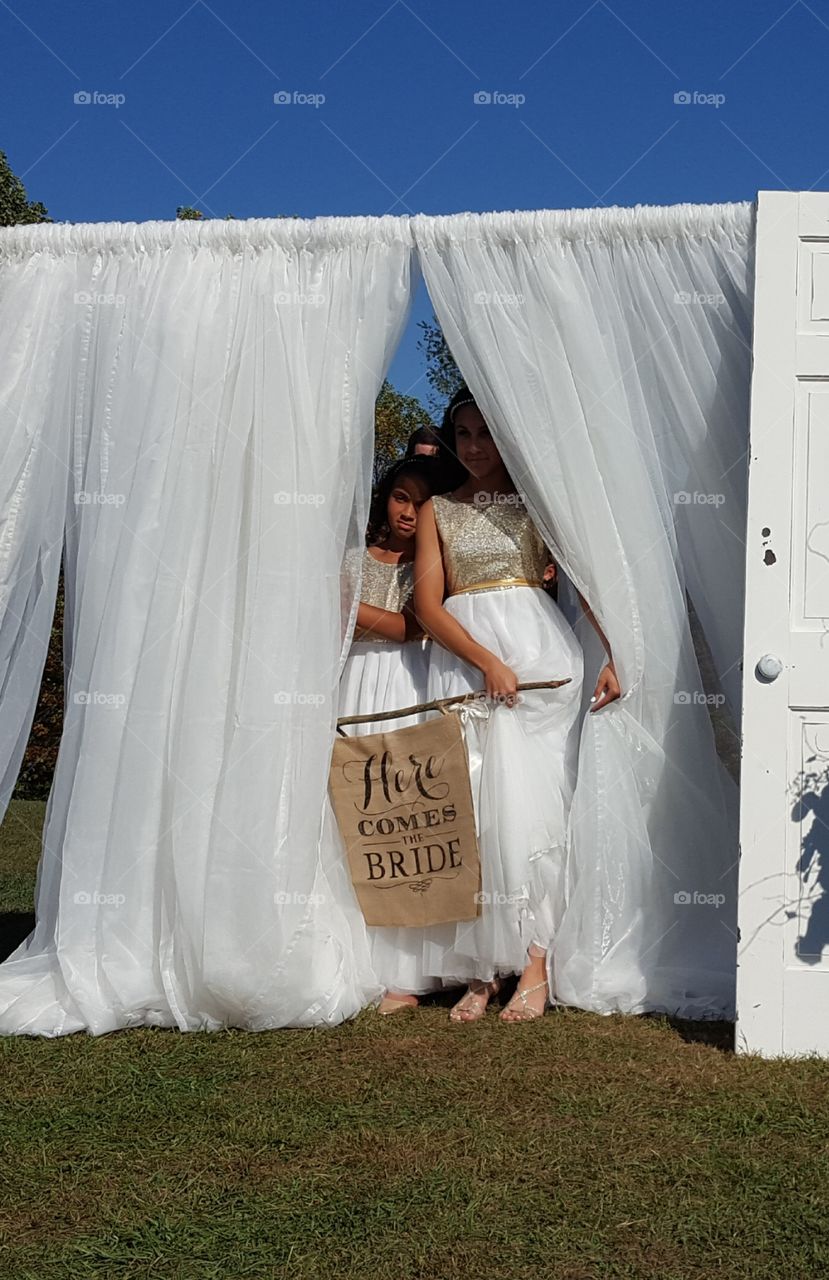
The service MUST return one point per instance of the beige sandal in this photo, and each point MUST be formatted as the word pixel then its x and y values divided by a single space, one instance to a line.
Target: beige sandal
pixel 528 1013
pixel 474 1002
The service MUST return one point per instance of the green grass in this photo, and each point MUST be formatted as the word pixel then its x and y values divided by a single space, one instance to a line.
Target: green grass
pixel 572 1148
pixel 20 836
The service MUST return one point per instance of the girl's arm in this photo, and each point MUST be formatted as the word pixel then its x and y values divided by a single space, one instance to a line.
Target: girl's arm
pixel 430 585
pixel 607 686
pixel 379 622
pixel 414 631
pixel 589 614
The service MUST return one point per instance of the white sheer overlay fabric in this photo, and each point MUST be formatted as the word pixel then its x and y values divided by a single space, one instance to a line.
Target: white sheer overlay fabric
pixel 609 351
pixel 35 442
pixel 198 399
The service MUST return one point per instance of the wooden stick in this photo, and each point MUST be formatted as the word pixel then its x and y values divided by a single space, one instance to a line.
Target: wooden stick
pixel 437 703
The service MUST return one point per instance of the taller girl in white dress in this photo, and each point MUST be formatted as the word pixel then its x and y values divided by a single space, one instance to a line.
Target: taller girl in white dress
pixel 479 565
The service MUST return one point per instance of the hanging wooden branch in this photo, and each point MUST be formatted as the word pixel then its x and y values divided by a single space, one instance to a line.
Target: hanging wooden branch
pixel 438 704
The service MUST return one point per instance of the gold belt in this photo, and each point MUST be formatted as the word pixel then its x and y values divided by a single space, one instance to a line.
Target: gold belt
pixel 498 582
pixel 371 638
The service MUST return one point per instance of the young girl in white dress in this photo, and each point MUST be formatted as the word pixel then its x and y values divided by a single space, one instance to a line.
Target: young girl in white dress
pixel 479 567
pixel 387 668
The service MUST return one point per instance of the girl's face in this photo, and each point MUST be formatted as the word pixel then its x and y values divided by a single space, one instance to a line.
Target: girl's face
pixel 405 500
pixel 473 444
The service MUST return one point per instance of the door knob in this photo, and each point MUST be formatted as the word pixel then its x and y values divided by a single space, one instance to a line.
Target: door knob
pixel 769 667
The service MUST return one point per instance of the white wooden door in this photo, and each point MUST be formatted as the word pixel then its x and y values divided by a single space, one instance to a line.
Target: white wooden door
pixel 783 911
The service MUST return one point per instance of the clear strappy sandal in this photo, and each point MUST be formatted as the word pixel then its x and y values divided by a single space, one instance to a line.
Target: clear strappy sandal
pixel 475 1002
pixel 527 1013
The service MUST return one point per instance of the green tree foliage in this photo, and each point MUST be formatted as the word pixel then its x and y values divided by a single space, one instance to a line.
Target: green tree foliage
pixel 442 374
pixel 395 418
pixel 185 212
pixel 15 207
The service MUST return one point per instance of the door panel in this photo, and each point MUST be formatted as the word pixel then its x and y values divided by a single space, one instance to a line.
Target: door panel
pixel 783 952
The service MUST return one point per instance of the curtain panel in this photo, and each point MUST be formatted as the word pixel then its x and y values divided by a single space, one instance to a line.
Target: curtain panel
pixel 195 403
pixel 609 350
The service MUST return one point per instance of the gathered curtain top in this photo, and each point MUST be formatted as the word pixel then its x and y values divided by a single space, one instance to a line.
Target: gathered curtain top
pixel 232 235
pixel 613 224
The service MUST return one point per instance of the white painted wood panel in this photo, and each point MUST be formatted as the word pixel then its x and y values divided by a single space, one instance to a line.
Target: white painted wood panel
pixel 783 951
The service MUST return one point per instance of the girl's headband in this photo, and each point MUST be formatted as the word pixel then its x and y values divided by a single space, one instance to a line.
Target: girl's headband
pixel 459 405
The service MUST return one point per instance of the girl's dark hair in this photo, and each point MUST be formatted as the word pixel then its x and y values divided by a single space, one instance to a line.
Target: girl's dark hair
pixel 452 472
pixel 422 466
pixel 421 435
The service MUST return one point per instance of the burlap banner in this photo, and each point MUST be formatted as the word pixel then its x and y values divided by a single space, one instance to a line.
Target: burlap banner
pixel 404 808
pixel 403 804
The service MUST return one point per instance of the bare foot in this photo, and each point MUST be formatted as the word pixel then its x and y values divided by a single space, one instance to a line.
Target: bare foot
pixel 472 1005
pixel 394 1001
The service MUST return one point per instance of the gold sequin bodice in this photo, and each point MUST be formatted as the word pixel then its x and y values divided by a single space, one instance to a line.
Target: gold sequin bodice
pixel 490 545
pixel 386 586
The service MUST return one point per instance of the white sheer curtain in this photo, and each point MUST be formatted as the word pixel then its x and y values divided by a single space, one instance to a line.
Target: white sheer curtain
pixel 36 313
pixel 610 352
pixel 210 417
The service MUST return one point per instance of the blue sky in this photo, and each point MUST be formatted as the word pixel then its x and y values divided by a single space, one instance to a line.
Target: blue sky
pixel 382 114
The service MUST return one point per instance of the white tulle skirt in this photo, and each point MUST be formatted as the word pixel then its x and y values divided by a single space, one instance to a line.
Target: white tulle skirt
pixel 383 677
pixel 522 764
